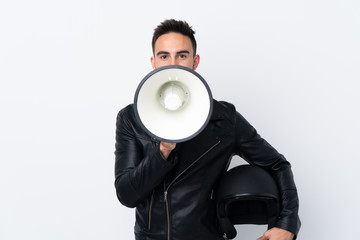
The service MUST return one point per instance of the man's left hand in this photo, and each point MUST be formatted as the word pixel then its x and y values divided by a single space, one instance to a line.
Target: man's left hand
pixel 277 234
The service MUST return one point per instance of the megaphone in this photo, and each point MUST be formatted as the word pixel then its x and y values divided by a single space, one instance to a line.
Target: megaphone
pixel 173 103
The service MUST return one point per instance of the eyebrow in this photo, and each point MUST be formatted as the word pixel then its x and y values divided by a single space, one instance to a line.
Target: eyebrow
pixel 161 52
pixel 180 52
pixel 184 51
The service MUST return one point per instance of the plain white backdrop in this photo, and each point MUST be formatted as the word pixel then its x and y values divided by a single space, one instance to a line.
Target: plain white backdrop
pixel 292 68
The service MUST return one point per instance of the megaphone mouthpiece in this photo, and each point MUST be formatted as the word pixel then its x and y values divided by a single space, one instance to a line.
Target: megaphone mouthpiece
pixel 173 95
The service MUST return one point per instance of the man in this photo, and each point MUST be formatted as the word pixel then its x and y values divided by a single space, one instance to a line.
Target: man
pixel 171 184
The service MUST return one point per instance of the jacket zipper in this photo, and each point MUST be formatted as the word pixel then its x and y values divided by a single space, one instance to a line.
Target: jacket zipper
pixel 166 190
pixel 150 208
pixel 167 212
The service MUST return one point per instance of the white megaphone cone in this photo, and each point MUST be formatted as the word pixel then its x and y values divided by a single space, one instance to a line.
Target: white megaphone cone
pixel 173 103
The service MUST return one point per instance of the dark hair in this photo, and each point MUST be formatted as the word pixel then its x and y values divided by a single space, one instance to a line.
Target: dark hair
pixel 176 26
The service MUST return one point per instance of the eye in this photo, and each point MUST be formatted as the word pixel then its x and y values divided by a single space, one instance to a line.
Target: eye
pixel 163 57
pixel 182 56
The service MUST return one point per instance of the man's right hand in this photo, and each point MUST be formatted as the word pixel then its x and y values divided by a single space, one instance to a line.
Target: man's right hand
pixel 166 148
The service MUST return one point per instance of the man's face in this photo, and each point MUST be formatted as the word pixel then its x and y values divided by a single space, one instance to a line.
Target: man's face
pixel 174 49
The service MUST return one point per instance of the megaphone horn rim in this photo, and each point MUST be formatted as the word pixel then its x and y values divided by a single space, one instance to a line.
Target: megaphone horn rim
pixel 160 138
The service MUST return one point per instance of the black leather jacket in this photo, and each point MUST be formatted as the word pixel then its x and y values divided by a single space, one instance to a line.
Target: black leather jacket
pixel 173 198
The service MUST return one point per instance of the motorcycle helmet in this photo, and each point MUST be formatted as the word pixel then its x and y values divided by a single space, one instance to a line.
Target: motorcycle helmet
pixel 246 194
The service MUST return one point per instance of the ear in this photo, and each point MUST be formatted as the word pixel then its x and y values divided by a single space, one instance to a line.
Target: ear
pixel 152 59
pixel 196 61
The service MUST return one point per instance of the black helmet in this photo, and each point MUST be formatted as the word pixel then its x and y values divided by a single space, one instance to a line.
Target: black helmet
pixel 246 194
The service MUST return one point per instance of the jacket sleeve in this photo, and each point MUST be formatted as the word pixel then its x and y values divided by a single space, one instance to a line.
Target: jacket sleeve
pixel 139 164
pixel 256 150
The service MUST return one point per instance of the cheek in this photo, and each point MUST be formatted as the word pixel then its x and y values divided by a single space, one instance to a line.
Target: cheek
pixel 191 66
pixel 160 64
pixel 189 63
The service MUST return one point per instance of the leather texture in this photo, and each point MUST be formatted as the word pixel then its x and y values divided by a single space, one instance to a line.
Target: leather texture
pixel 173 197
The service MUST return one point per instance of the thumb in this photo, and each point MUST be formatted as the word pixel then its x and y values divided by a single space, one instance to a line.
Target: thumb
pixel 167 146
pixel 262 238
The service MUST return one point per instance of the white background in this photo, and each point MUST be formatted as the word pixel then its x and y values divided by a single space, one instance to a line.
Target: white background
pixel 292 68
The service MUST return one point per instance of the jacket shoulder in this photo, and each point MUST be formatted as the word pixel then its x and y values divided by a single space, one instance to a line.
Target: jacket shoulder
pixel 127 114
pixel 223 109
pixel 126 118
pixel 126 111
